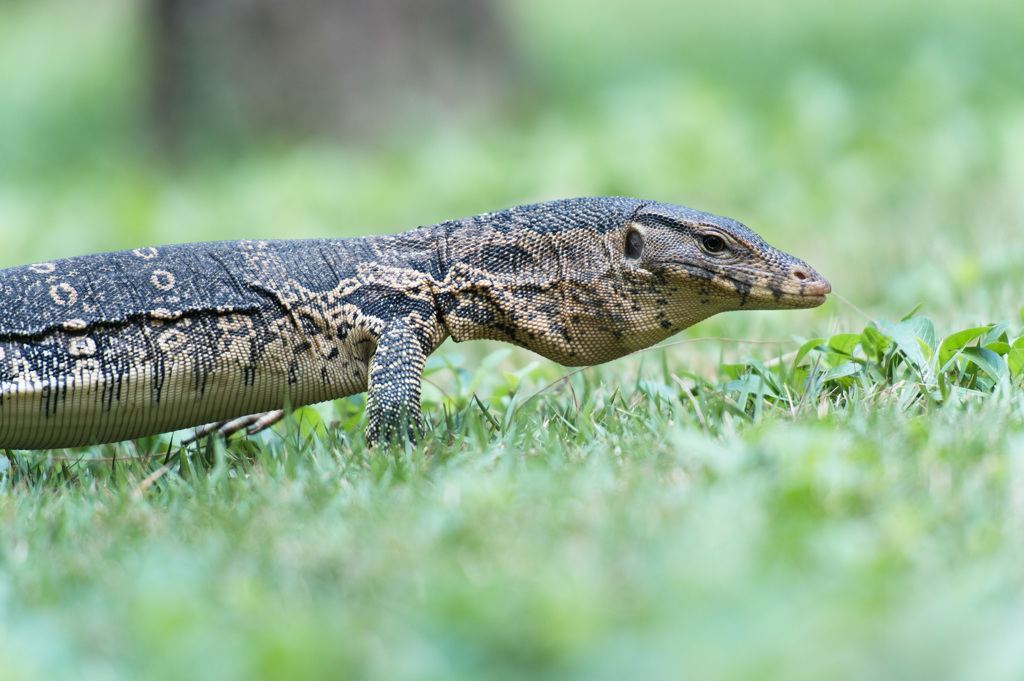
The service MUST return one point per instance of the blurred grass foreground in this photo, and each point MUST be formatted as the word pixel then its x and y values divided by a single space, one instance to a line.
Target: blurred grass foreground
pixel 636 520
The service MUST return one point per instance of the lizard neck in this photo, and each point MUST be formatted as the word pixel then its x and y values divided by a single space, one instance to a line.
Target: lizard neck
pixel 542 277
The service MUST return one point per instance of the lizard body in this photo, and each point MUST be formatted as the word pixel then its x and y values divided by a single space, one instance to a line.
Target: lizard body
pixel 116 346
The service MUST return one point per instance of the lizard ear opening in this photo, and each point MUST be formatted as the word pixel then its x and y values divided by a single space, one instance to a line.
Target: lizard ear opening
pixel 634 247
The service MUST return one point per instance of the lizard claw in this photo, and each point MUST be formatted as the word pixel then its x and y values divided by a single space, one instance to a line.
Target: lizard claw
pixel 253 423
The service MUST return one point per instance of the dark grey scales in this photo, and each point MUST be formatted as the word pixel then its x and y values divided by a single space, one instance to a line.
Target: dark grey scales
pixel 115 346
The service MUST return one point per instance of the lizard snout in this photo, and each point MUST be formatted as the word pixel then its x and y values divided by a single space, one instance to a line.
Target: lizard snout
pixel 811 283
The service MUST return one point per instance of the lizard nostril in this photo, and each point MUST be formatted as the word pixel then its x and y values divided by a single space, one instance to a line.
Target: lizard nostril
pixel 800 274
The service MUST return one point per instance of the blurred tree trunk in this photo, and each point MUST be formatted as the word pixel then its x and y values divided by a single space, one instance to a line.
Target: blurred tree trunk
pixel 235 69
pixel 168 72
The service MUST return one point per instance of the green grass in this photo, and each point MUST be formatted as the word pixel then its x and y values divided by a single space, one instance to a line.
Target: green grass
pixel 845 500
pixel 635 526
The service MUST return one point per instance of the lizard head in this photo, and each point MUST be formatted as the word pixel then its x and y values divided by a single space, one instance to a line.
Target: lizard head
pixel 716 262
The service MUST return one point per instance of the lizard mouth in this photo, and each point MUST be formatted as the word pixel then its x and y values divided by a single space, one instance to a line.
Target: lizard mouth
pixel 803 288
pixel 800 287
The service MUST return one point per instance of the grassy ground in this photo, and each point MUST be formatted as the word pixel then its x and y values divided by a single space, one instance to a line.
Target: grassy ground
pixel 706 510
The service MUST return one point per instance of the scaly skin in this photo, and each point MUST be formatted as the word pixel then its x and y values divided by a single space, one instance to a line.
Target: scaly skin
pixel 115 346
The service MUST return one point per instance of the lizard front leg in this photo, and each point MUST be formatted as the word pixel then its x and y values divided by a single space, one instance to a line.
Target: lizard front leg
pixel 393 394
pixel 394 376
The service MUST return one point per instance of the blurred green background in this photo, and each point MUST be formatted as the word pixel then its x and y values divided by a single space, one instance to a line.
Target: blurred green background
pixel 881 141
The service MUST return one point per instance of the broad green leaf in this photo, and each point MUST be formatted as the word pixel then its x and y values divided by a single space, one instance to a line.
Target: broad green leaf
pixel 798 377
pixel 844 342
pixel 841 371
pixel 988 361
pixel 733 371
pixel 743 385
pixel 873 342
pixel 996 333
pixel 906 341
pixel 807 347
pixel 955 341
pixel 998 347
pixel 1015 357
pixel 927 350
pixel 747 385
pixel 924 330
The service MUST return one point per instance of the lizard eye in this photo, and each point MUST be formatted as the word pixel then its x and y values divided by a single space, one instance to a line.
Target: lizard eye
pixel 634 244
pixel 712 243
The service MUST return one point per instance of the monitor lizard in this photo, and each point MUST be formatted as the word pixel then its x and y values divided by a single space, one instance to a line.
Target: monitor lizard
pixel 116 346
